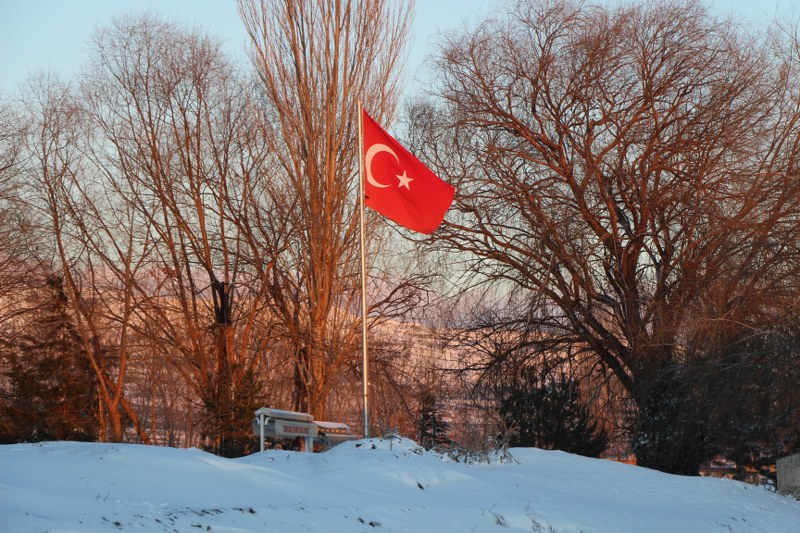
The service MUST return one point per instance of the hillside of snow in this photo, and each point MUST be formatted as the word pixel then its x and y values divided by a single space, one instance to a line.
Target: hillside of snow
pixel 370 485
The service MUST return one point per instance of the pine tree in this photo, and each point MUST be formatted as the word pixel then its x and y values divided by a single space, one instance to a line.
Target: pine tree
pixel 548 412
pixel 749 396
pixel 233 425
pixel 669 430
pixel 432 428
pixel 52 392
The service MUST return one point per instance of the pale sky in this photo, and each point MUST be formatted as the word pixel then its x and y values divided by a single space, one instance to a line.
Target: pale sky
pixel 53 35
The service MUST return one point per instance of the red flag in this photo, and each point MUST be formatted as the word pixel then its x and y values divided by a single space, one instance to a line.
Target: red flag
pixel 398 185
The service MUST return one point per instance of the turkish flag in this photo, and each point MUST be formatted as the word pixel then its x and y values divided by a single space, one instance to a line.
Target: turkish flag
pixel 398 185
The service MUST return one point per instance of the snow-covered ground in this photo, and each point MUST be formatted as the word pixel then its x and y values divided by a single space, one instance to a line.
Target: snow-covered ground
pixel 370 485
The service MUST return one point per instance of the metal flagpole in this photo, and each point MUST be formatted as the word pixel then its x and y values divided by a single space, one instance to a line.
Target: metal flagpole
pixel 363 270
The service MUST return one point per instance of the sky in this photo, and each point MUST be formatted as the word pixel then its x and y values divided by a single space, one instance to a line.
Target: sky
pixel 54 35
pixel 375 486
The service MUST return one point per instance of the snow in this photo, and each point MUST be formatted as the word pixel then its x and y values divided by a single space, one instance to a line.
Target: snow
pixel 370 485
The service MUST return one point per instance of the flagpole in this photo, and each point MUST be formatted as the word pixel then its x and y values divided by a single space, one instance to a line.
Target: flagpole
pixel 363 270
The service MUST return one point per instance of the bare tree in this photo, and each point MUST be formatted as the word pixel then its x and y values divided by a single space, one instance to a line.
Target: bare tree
pixel 177 146
pixel 624 174
pixel 14 225
pixel 56 191
pixel 315 61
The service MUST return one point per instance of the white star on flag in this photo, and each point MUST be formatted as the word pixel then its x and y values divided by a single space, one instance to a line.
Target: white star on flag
pixel 404 180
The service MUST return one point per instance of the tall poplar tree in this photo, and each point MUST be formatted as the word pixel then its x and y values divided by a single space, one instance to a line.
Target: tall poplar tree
pixel 315 60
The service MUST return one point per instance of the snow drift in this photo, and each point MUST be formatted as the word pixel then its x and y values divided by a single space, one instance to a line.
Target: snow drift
pixel 370 485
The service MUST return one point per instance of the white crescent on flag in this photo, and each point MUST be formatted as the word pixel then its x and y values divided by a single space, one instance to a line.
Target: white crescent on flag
pixel 374 150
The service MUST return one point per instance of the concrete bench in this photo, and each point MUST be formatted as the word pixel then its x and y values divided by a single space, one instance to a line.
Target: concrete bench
pixel 280 424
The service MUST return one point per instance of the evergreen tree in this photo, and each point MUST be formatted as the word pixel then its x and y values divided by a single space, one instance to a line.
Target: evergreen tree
pixel 669 433
pixel 749 397
pixel 52 392
pixel 548 413
pixel 233 425
pixel 432 428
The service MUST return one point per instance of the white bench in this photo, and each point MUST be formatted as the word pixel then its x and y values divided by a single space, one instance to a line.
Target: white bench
pixel 277 423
